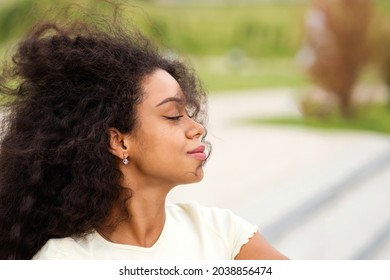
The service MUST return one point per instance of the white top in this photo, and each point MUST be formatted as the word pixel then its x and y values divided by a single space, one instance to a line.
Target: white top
pixel 190 232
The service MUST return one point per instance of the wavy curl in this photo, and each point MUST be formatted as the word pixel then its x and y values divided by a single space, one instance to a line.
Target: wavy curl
pixel 57 176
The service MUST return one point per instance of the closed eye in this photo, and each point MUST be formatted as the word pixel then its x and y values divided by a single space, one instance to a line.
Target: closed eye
pixel 174 118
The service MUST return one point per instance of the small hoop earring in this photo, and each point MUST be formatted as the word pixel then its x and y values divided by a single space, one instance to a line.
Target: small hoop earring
pixel 125 161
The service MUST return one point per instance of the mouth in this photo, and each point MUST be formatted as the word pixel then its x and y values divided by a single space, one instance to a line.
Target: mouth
pixel 198 153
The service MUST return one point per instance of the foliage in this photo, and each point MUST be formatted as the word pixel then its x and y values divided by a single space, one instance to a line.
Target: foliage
pixel 260 30
pixel 336 46
pixel 374 118
pixel 232 46
pixel 381 50
pixel 15 19
pixel 222 74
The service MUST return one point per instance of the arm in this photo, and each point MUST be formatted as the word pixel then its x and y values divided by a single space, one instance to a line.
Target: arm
pixel 258 248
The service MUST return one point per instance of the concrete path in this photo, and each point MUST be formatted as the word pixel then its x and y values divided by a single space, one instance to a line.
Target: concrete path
pixel 313 194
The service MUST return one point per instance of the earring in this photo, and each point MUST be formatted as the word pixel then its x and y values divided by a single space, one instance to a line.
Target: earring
pixel 125 160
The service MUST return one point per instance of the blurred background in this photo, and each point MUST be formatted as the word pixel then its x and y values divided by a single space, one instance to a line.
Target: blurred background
pixel 299 111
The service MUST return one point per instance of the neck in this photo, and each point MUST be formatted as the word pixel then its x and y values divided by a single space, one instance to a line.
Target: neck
pixel 146 208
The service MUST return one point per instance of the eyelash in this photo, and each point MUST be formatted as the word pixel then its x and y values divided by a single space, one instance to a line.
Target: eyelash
pixel 175 118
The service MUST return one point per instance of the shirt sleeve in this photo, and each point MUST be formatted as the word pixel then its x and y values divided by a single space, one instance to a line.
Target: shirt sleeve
pixel 234 230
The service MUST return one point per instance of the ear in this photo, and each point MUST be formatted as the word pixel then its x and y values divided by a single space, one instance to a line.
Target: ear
pixel 118 145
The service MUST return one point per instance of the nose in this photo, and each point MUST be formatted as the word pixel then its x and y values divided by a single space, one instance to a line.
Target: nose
pixel 196 130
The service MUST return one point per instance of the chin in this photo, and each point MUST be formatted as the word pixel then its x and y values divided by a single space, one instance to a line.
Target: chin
pixel 194 177
pixel 198 179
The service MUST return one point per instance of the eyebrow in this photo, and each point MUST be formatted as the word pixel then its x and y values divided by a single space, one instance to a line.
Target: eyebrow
pixel 171 99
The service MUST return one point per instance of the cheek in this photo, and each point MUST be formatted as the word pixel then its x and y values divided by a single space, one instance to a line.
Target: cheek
pixel 156 143
pixel 160 140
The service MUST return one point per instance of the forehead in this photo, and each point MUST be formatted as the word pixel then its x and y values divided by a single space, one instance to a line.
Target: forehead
pixel 158 86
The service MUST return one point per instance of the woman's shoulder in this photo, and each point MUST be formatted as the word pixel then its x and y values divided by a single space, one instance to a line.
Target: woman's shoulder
pixel 196 212
pixel 221 223
pixel 61 249
pixel 194 208
pixel 241 236
pixel 209 214
pixel 218 225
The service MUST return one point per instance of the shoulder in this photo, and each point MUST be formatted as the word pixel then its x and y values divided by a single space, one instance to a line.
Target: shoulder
pixel 242 237
pixel 220 224
pixel 213 217
pixel 194 209
pixel 61 248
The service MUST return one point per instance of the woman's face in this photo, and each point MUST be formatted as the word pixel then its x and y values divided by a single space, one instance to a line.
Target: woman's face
pixel 166 146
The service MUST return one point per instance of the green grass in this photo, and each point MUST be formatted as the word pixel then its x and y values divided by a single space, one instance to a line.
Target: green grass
pixel 260 30
pixel 257 29
pixel 374 118
pixel 223 74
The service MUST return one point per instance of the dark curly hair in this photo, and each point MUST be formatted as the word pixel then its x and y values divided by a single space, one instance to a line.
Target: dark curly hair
pixel 74 82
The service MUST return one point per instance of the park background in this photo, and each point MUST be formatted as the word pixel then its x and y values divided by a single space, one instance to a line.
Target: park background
pixel 299 111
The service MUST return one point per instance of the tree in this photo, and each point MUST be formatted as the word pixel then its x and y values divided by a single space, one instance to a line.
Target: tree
pixel 383 55
pixel 336 46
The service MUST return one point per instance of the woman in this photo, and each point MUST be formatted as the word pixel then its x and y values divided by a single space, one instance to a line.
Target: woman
pixel 100 128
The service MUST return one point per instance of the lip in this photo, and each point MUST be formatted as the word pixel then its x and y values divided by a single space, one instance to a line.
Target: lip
pixel 198 153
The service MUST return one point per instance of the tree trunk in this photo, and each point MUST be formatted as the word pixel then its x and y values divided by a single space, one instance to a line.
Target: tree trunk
pixel 345 105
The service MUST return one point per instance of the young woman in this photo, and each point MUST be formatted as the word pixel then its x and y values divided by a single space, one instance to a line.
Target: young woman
pixel 99 128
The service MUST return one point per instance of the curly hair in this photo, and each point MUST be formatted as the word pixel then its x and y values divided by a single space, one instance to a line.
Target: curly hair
pixel 74 83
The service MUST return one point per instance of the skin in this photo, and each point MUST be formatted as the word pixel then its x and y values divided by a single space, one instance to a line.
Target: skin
pixel 165 135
